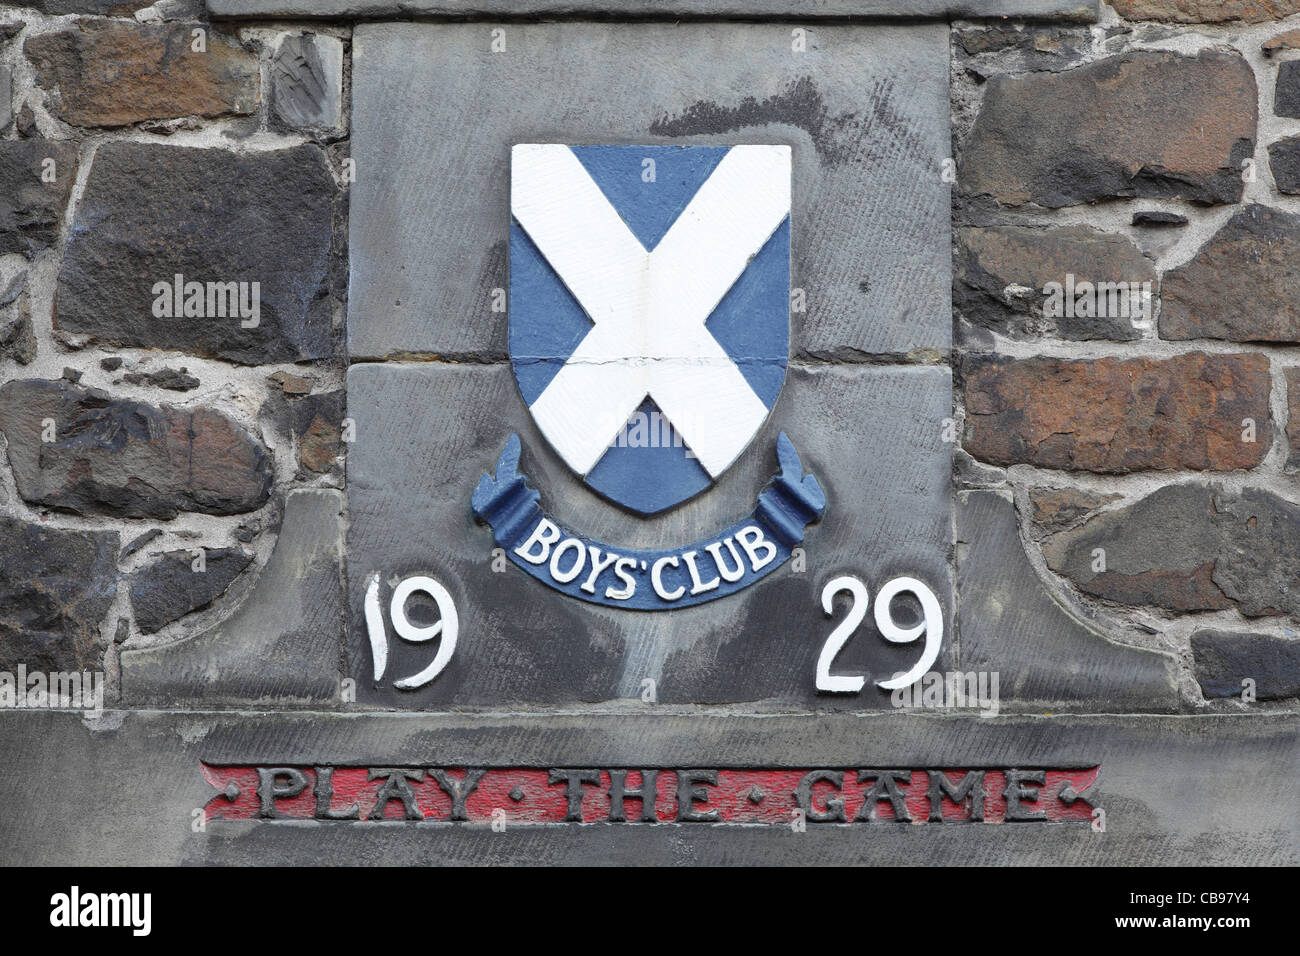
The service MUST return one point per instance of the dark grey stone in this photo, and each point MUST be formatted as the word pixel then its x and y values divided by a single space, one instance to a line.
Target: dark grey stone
pixel 865 111
pixel 56 587
pixel 1001 273
pixel 17 337
pixel 1203 790
pixel 99 8
pixel 1286 96
pixel 126 458
pixel 1284 161
pixel 1190 548
pixel 1157 217
pixel 1073 10
pixel 1008 622
pixel 140 541
pixel 284 642
pixel 151 212
pixel 175 380
pixel 1223 659
pixel 169 588
pixel 426 432
pixel 31 210
pixel 307 82
pixel 994 48
pixel 1127 135
pixel 6 97
pixel 1243 284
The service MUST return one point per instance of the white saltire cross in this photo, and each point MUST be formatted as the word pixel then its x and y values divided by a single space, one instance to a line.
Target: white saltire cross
pixel 649 308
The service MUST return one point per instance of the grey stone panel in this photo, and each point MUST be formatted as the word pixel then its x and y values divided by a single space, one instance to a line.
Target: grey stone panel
pixel 865 110
pixel 283 644
pixel 1070 10
pixel 426 432
pixel 1203 790
pixel 1008 622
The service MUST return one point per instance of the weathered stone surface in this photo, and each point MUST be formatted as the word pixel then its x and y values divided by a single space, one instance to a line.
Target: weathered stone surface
pixel 174 380
pixel 1223 659
pixel 1119 415
pixel 1004 48
pixel 307 82
pixel 1073 10
pixel 1154 124
pixel 17 337
pixel 284 643
pixel 112 74
pixel 1189 548
pixel 426 432
pixel 6 97
pixel 1158 217
pixel 317 424
pixel 1290 40
pixel 1058 508
pixel 25 122
pixel 140 541
pixel 169 588
pixel 153 212
pixel 289 383
pixel 865 111
pixel 55 589
pixel 1284 161
pixel 1206 790
pixel 1001 273
pixel 1008 622
pixel 1243 285
pixel 126 458
pixel 100 8
pixel 31 208
pixel 1286 95
pixel 1205 11
pixel 1293 415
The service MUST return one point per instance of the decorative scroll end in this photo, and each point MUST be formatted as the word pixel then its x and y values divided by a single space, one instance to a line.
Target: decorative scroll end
pixel 1069 792
pixel 793 500
pixel 504 500
pixel 792 474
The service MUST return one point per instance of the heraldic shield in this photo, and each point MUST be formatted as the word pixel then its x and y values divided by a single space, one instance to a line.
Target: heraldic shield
pixel 649 308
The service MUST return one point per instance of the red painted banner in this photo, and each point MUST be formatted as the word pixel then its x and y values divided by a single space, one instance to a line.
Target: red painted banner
pixel 528 795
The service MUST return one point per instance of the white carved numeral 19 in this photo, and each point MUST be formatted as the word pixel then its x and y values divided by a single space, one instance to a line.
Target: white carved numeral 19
pixel 448 626
pixel 931 626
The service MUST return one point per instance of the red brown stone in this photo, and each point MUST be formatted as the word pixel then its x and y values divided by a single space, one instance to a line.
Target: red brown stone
pixel 1118 415
pixel 111 73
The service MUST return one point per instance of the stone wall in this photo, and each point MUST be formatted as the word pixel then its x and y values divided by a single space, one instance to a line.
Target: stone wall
pixel 1151 455
pixel 142 144
pixel 1081 426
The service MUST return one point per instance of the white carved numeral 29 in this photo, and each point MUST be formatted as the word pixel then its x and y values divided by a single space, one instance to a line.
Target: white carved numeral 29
pixel 931 626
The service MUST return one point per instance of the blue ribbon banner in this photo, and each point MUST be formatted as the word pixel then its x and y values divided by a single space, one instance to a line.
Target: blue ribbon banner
pixel 712 568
